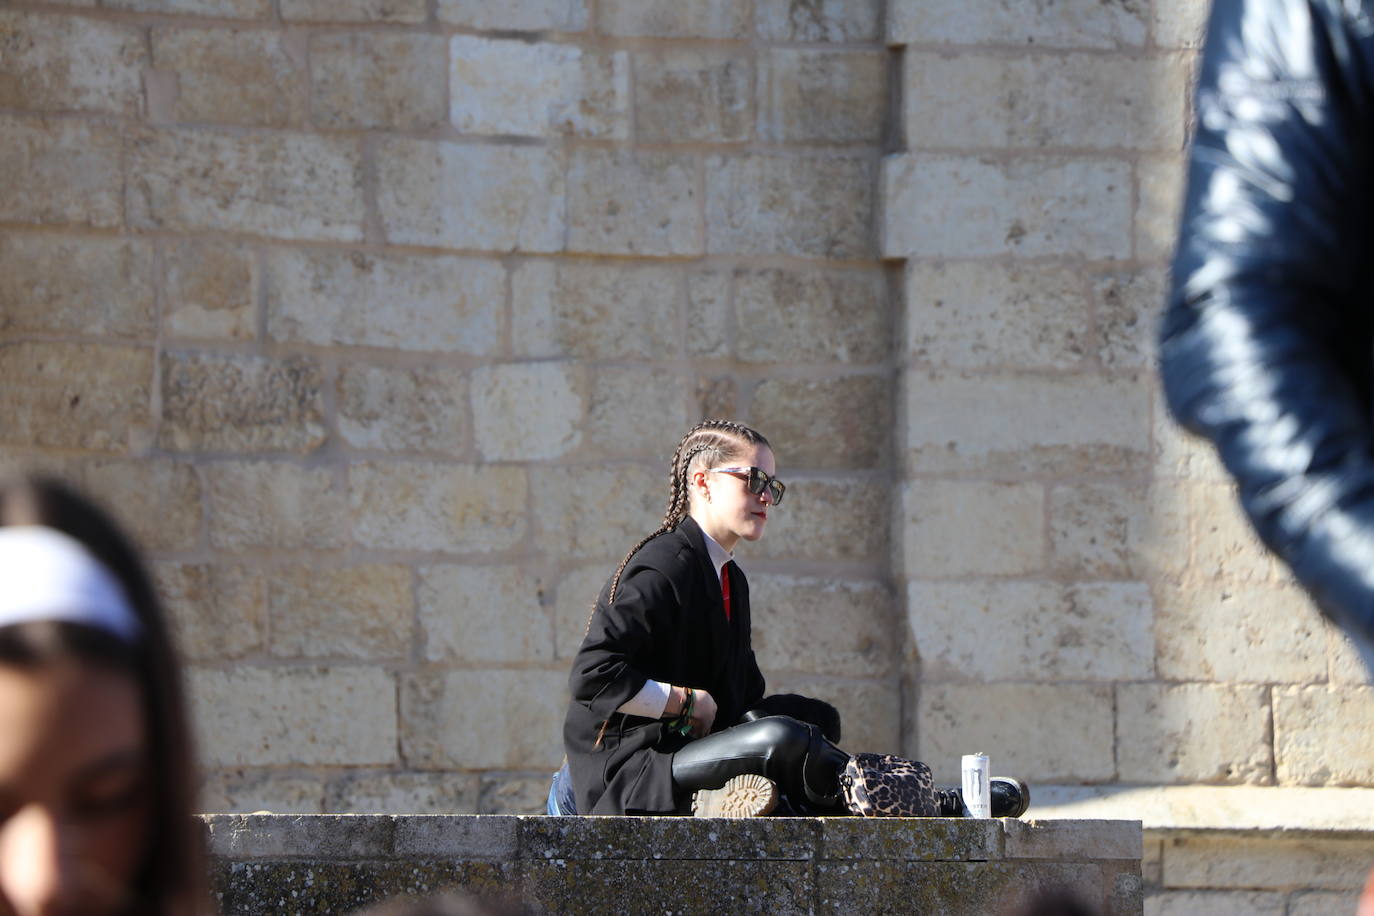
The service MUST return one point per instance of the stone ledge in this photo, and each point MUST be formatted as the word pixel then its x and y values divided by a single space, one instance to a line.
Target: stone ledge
pixel 1259 809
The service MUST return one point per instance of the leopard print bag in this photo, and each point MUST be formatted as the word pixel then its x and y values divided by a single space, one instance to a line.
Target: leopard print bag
pixel 881 785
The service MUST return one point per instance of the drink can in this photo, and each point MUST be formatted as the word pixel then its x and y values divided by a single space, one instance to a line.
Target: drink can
pixel 977 789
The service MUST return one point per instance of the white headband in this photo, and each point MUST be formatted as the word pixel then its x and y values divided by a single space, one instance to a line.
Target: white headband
pixel 46 575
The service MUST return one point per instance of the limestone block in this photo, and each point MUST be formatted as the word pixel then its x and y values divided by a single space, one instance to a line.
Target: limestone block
pixel 210 290
pixel 1277 863
pixel 826 626
pixel 62 284
pixel 717 397
pixel 633 202
pixel 244 791
pixel 961 206
pixel 214 402
pixel 674 18
pixel 881 839
pixel 960 528
pixel 1321 735
pixel 597 512
pixel 1036 732
pixel 636 412
pixel 518 15
pixel 84 396
pixel 398 11
pixel 219 9
pixel 1111 531
pixel 466 719
pixel 826 423
pixel 249 888
pixel 251 78
pixel 770 204
pixel 542 89
pixel 870 711
pixel 818 96
pixel 356 612
pixel 826 520
pixel 1179 23
pixel 1323 903
pixel 274 506
pixel 1128 307
pixel 572 607
pixel 64 63
pixel 1214 903
pixel 790 316
pixel 1227 632
pixel 291 186
pixel 403 793
pixel 589 839
pixel 514 795
pixel 395 302
pixel 1072 24
pixel 71 172
pixel 1346 664
pixel 437 507
pixel 1161 180
pixel 423 410
pixel 693 94
pixel 595 311
pixel 1018 424
pixel 483 614
pixel 710 331
pixel 364 80
pixel 782 887
pixel 1031 631
pixel 1076 839
pixel 159 501
pixel 455 195
pixel 1044 100
pixel 217 611
pixel 828 20
pixel 263 835
pixel 528 411
pixel 309 716
pixel 1188 733
pixel 980 315
pixel 1178 453
pixel 458 837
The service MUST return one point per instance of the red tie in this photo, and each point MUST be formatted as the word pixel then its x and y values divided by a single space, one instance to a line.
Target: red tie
pixel 725 588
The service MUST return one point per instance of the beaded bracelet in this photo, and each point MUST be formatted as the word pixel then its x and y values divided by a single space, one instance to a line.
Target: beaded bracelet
pixel 682 722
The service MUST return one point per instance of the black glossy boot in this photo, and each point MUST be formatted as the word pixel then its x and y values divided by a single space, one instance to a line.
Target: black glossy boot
pixel 1010 798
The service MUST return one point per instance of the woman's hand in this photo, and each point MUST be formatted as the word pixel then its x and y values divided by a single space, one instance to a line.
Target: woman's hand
pixel 703 713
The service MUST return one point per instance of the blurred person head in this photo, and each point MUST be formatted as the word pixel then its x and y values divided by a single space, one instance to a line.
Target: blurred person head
pixel 95 764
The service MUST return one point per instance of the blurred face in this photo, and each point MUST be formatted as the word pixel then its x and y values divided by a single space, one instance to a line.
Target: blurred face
pixel 74 800
pixel 722 504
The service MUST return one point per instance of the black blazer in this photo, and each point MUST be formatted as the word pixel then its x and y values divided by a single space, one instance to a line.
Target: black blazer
pixel 667 624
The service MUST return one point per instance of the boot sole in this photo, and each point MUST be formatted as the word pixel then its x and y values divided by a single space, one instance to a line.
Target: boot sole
pixel 748 795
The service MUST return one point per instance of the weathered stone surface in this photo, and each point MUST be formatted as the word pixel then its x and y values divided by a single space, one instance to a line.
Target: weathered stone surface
pixel 458 837
pixel 978 314
pixel 437 507
pixel 241 403
pixel 524 15
pixel 85 396
pixel 514 794
pixel 827 20
pixel 768 204
pixel 1074 24
pixel 636 886
pixel 291 186
pixel 687 94
pixel 1323 903
pixel 887 839
pixel 274 506
pixel 1161 180
pixel 1215 903
pixel 1278 863
pixel 69 285
pixel 52 62
pixel 710 332
pixel 356 612
pixel 845 628
pixel 71 172
pixel 312 716
pixel 1225 632
pixel 571 526
pixel 1031 631
pixel 1320 735
pixel 210 290
pixel 217 612
pixel 377 80
pixel 1006 423
pixel 542 89
pixel 680 839
pixel 398 302
pixel 253 78
pixel 673 18
pixel 456 195
pixel 955 888
pixel 1171 733
pixel 636 412
pixel 1077 839
pixel 952 529
pixel 789 316
pixel 549 398
pixel 826 423
pixel 483 614
pixel 158 501
pixel 1177 452
pixel 1178 23
pixel 810 96
pixel 1110 531
pixel 961 206
pixel 242 836
pixel 633 202
pixel 397 11
pixel 825 520
pixel 870 710
pixel 1128 305
pixel 465 719
pixel 1011 722
pixel 422 410
pixel 244 791
pixel 596 311
pixel 403 793
pixel 1346 664
pixel 575 595
pixel 250 888
pixel 220 9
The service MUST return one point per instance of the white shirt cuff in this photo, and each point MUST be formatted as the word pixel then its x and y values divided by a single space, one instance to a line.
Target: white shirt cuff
pixel 650 702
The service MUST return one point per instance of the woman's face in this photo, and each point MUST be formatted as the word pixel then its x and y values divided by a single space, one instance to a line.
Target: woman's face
pixel 723 505
pixel 74 796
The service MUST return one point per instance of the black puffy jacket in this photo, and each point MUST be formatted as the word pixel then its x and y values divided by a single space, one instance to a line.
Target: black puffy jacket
pixel 1268 344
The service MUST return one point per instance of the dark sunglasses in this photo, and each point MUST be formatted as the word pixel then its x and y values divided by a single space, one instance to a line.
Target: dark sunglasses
pixel 757 481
